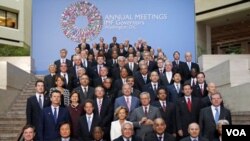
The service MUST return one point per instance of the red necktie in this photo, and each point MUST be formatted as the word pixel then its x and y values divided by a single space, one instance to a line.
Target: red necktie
pixel 189 105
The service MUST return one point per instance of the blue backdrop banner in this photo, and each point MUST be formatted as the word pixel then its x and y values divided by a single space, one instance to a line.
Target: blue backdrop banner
pixel 57 24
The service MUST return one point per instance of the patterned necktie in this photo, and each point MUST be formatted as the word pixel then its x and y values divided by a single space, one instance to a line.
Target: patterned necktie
pixel 164 106
pixel 155 89
pixel 160 137
pixel 202 90
pixel 99 106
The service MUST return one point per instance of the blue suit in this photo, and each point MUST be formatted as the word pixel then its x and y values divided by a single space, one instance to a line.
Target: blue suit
pixel 173 94
pixel 120 101
pixel 49 129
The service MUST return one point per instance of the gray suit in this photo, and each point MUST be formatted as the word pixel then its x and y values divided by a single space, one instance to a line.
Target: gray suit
pixel 138 114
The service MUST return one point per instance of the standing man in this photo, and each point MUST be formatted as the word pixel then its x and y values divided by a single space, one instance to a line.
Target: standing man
pixel 35 105
pixel 187 110
pixel 52 116
pixel 142 117
pixel 88 121
pixel 65 132
pixel 63 59
pixel 209 117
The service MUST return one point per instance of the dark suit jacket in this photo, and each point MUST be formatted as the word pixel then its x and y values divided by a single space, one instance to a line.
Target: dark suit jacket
pixel 173 95
pixel 60 139
pixel 70 83
pixel 187 72
pixel 207 123
pixel 168 115
pixel 58 64
pixel 49 82
pixel 153 137
pixel 83 96
pixel 184 117
pixel 33 110
pixel 189 139
pixel 134 138
pixel 105 114
pixel 152 66
pixel 48 128
pixel 139 81
pixel 178 68
pixel 164 81
pixel 150 89
pixel 135 68
pixel 84 133
pixel 197 90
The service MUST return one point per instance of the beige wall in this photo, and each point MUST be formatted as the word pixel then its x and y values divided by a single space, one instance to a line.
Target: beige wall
pixel 22 62
pixel 23 33
pixel 204 5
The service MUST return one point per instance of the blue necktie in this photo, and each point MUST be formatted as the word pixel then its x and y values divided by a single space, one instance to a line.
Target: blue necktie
pixel 217 115
pixel 55 114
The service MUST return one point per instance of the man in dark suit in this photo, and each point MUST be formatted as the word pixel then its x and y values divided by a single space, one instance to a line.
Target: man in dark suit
pixel 52 116
pixel 35 105
pixel 187 111
pixel 84 45
pixel 159 133
pixel 209 116
pixel 193 79
pixel 142 76
pixel 69 78
pixel 143 116
pixel 63 59
pixel 114 42
pixel 85 91
pixel 160 66
pixel 95 70
pixel 151 64
pixel 49 80
pixel 103 75
pixel 131 65
pixel 103 110
pixel 166 78
pixel 178 66
pixel 128 133
pixel 113 62
pixel 152 87
pixel 167 110
pixel 65 132
pixel 194 133
pixel 200 90
pixel 206 101
pixel 98 134
pixel 175 89
pixel 88 121
pixel 77 65
pixel 188 66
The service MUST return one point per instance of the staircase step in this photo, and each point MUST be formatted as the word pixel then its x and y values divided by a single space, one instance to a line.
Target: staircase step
pixel 16 113
pixel 8 138
pixel 18 108
pixel 10 130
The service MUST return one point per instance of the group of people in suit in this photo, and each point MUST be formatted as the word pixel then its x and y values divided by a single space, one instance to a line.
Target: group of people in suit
pixel 114 86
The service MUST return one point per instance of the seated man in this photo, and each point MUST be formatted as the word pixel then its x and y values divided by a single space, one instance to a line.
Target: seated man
pixel 28 133
pixel 65 132
pixel 159 133
pixel 127 133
